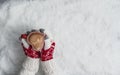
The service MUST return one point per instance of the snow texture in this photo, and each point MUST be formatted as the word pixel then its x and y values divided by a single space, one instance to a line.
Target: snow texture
pixel 87 34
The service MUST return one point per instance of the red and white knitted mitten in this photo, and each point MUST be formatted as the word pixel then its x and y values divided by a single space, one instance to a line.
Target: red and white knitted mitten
pixel 47 62
pixel 31 64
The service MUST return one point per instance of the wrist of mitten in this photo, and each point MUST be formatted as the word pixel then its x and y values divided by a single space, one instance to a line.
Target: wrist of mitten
pixel 31 65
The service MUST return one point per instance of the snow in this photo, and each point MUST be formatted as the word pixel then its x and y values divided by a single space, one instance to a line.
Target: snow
pixel 87 34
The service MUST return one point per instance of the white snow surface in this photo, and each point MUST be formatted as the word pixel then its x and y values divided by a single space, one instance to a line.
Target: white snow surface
pixel 87 34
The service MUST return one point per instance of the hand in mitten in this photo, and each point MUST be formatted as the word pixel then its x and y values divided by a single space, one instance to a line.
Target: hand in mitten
pixel 48 49
pixel 28 48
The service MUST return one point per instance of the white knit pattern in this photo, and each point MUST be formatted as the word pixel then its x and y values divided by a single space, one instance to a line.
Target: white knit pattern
pixel 48 43
pixel 26 45
pixel 49 67
pixel 30 66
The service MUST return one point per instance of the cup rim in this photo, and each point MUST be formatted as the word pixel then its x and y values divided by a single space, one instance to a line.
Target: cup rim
pixel 35 32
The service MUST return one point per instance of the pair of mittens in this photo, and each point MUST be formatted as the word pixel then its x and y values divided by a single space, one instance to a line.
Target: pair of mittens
pixel 47 51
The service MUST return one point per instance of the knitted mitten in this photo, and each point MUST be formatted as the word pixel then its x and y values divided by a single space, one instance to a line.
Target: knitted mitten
pixel 31 64
pixel 47 62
